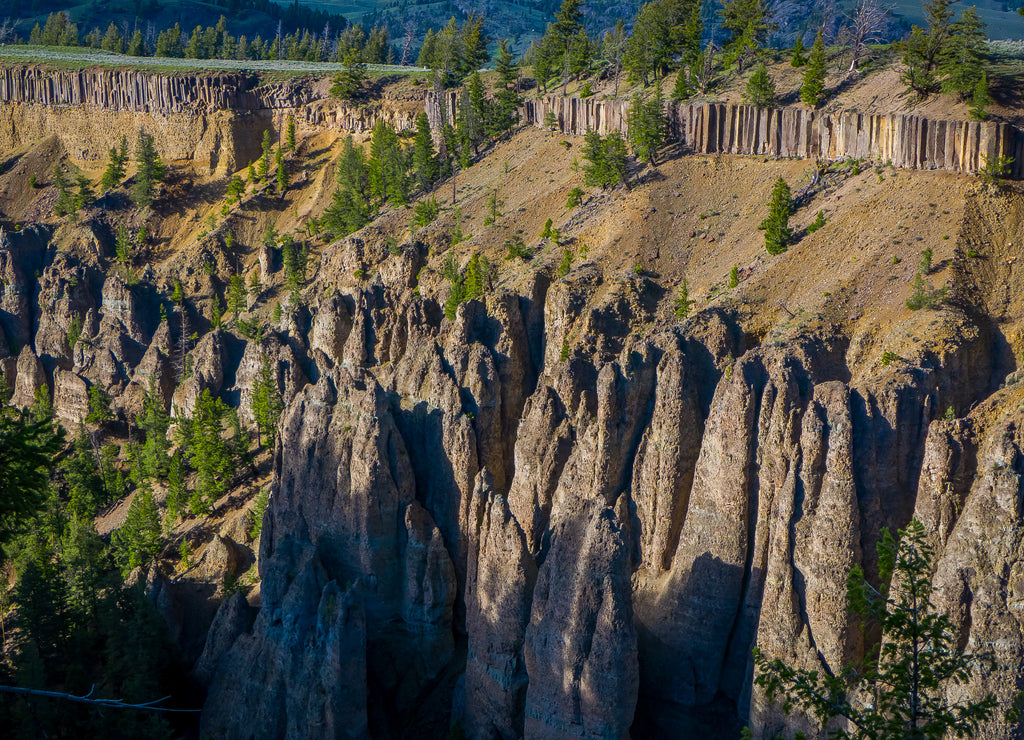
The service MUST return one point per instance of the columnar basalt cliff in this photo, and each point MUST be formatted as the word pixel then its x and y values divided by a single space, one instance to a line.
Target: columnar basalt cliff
pixel 213 119
pixel 907 141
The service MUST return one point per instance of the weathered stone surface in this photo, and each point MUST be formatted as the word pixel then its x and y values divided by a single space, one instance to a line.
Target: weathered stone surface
pixel 580 647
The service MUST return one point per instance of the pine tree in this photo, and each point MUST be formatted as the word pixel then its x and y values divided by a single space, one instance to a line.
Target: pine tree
pixel 348 83
pixel 65 200
pixel 760 91
pixel 137 47
pixel 898 690
pixel 84 196
pixel 424 160
pixel 777 234
pixel 266 403
pixel 962 60
pixel 251 176
pixel 150 170
pixel 118 160
pixel 138 540
pixel 387 166
pixel 208 452
pixel 506 113
pixel 798 60
pixel 646 125
pixel 154 422
pixel 981 99
pixel 99 411
pixel 814 76
pixel 236 296
pixel 264 166
pixel 290 133
pixel 749 23
pixel 282 173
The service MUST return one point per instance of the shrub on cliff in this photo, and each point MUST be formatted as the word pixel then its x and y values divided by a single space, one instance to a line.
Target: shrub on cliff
pixel 606 162
pixel 348 83
pixel 114 173
pixel 899 688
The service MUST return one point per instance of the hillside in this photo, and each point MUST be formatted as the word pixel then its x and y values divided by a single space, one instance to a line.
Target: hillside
pixel 567 506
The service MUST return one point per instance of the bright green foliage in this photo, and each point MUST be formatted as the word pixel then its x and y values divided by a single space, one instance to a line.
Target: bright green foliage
pixel 749 23
pixel 266 403
pixel 734 276
pixel 82 476
pixel 387 166
pixel 276 313
pixel 507 98
pixel 798 60
pixel 962 60
pixel 606 160
pixel 296 258
pixel 255 287
pixel 515 248
pixel 289 136
pixel 150 170
pixel 259 508
pixel 554 55
pixel 566 264
pixel 646 124
pixel 348 83
pixel 99 406
pixel 116 167
pixel 814 76
pixel 27 448
pixel 923 294
pixel 494 206
pixel 663 30
pixel 251 175
pixel 426 211
pixel 424 158
pixel 981 99
pixel 546 231
pixel 236 187
pixel 456 296
pixel 65 200
pixel 777 234
pixel 263 169
pixel 138 540
pixel 817 223
pixel 350 205
pixel 898 690
pixel 924 52
pixel 74 332
pixel 208 452
pixel 236 296
pixel 216 312
pixel 574 198
pixel 477 276
pixel 683 303
pixel 154 422
pixel 760 90
pixel 282 172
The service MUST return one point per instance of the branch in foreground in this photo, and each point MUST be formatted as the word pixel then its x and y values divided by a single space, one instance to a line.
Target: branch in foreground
pixel 110 703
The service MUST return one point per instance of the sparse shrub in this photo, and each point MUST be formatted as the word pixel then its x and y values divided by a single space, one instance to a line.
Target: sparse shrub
pixel 550 122
pixel 258 510
pixel 950 414
pixel 996 169
pixel 546 231
pixel 565 264
pixel 426 211
pixel 575 198
pixel 587 90
pixel 32 182
pixel 555 236
pixel 926 261
pixel 734 276
pixel 888 358
pixel 393 249
pixel 563 353
pixel 817 223
pixel 922 295
pixel 359 274
pixel 638 269
pixel 74 332
pixel 516 249
pixel 683 303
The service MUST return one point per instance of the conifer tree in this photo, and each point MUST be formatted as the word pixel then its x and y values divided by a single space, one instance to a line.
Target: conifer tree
pixel 798 59
pixel 266 403
pixel 251 176
pixel 65 200
pixel 348 83
pixel 154 422
pixel 749 23
pixel 760 91
pixel 899 689
pixel 981 99
pixel 84 196
pixel 387 166
pixel 290 133
pixel 814 76
pixel 255 287
pixel 777 234
pixel 962 60
pixel 236 296
pixel 282 173
pixel 150 170
pixel 424 160
pixel 209 453
pixel 118 161
pixel 646 125
pixel 506 95
pixel 138 540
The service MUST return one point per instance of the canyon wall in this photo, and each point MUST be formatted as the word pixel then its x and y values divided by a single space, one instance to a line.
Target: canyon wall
pixel 907 141
pixel 215 120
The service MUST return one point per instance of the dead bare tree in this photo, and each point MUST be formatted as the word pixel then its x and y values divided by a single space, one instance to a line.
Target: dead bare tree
pixel 407 44
pixel 7 30
pixel 866 25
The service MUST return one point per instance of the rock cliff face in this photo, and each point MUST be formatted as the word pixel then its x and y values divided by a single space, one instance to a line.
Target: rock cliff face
pixel 907 141
pixel 216 120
